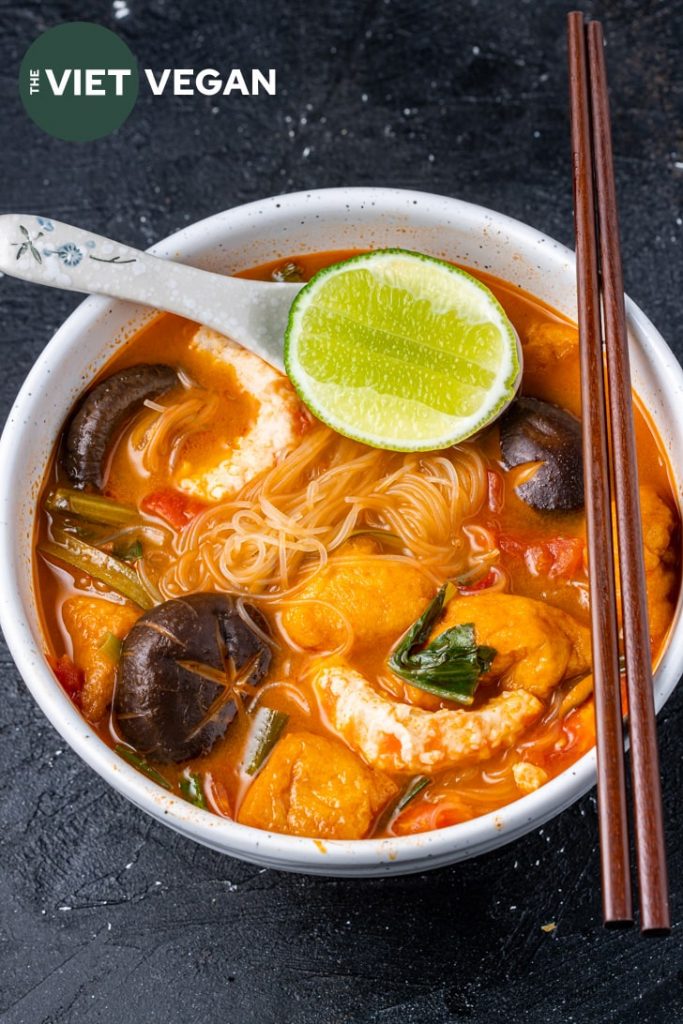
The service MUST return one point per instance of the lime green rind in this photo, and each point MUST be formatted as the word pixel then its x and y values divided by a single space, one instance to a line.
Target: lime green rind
pixel 342 402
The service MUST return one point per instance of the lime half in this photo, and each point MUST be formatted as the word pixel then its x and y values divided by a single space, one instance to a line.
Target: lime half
pixel 401 351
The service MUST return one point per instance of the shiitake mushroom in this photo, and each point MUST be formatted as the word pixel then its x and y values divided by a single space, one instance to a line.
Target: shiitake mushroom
pixel 536 431
pixel 100 415
pixel 168 702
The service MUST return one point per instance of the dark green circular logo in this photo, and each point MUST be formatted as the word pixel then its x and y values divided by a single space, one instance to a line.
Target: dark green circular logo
pixel 78 81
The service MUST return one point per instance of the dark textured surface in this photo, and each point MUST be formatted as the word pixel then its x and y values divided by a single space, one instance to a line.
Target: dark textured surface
pixel 107 916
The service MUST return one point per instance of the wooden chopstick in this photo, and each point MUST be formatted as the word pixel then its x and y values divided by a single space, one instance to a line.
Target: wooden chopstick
pixel 612 813
pixel 645 776
pixel 597 245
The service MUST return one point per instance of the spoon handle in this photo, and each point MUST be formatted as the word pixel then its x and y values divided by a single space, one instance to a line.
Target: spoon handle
pixel 44 251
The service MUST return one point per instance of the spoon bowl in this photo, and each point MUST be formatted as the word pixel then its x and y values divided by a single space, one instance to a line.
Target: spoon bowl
pixel 44 251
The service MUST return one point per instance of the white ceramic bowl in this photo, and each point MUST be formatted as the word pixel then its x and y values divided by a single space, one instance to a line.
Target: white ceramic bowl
pixel 234 240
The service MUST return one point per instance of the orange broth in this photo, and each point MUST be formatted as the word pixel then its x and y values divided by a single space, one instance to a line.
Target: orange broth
pixel 455 794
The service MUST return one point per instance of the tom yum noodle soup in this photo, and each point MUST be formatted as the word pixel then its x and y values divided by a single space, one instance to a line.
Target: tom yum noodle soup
pixel 313 636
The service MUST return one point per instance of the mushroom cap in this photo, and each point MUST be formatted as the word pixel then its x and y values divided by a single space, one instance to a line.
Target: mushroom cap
pixel 105 408
pixel 163 706
pixel 536 431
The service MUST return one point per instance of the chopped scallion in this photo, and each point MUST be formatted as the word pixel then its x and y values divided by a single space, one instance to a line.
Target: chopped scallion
pixel 141 764
pixel 415 786
pixel 192 788
pixel 92 507
pixel 101 566
pixel 129 552
pixel 392 811
pixel 265 733
pixel 111 647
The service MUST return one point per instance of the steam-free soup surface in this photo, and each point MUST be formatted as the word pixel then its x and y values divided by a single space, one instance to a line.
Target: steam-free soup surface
pixel 291 704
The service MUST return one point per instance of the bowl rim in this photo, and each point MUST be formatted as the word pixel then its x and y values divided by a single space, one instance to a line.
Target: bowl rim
pixel 393 855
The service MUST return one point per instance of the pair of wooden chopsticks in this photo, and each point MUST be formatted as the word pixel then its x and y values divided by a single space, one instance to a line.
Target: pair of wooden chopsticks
pixel 608 429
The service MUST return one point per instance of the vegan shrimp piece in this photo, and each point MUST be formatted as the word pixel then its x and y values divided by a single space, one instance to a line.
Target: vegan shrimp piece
pixel 276 429
pixel 398 737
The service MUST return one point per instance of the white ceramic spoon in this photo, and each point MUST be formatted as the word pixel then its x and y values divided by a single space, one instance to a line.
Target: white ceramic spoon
pixel 253 313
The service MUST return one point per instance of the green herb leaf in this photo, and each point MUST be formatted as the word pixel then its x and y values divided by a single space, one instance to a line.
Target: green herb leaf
pixel 265 733
pixel 414 788
pixel 192 788
pixel 101 566
pixel 34 252
pixel 143 766
pixel 21 250
pixel 129 552
pixel 451 665
pixel 24 231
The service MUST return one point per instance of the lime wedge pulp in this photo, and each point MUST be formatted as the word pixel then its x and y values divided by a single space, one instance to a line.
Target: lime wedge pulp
pixel 401 351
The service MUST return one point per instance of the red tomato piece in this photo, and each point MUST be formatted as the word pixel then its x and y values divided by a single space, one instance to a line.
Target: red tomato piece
pixel 483 584
pixel 557 558
pixel 69 676
pixel 511 546
pixel 176 508
pixel 423 815
pixel 567 556
pixel 217 796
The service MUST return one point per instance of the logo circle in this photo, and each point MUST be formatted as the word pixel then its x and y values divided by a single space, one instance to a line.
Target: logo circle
pixel 78 81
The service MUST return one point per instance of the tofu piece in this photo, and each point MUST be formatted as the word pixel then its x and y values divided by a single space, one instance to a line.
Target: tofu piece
pixel 659 558
pixel 314 786
pixel 379 599
pixel 88 621
pixel 547 344
pixel 536 644
pixel 528 777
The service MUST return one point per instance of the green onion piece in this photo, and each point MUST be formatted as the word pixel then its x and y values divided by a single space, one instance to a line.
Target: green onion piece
pixel 111 647
pixel 92 507
pixel 416 786
pixel 192 788
pixel 265 733
pixel 390 813
pixel 92 533
pixel 291 272
pixel 129 552
pixel 143 766
pixel 451 665
pixel 101 566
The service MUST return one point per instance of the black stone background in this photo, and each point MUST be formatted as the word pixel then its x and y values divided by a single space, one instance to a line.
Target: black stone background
pixel 107 916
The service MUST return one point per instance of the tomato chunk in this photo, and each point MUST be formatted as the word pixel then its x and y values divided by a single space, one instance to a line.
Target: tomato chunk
pixel 484 583
pixel 557 557
pixel 176 508
pixel 439 811
pixel 69 676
